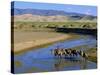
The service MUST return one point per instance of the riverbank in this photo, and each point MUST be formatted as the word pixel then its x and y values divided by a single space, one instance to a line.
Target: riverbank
pixel 24 41
pixel 92 54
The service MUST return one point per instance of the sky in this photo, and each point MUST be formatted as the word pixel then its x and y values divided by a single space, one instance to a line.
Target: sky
pixel 83 9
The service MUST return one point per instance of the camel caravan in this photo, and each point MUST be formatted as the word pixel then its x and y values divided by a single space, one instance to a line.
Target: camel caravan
pixel 59 52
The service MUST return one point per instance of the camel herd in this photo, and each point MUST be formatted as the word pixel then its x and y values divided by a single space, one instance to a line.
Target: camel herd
pixel 59 52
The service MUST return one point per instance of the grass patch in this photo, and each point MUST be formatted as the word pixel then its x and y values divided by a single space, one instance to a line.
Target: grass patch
pixel 92 54
pixel 35 25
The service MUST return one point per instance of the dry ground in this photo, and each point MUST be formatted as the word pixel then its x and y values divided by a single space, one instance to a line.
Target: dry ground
pixel 27 39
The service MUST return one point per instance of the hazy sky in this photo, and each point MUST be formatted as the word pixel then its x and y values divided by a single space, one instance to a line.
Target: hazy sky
pixel 91 10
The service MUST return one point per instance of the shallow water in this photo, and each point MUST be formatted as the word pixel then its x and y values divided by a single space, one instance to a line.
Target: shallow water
pixel 42 60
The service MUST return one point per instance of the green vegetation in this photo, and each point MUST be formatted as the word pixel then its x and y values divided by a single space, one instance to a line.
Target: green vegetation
pixel 36 25
pixel 92 54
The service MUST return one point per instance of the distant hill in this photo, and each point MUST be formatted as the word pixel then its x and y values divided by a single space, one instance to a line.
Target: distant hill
pixel 49 15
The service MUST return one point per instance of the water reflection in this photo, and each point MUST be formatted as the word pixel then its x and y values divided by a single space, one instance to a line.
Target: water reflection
pixel 64 63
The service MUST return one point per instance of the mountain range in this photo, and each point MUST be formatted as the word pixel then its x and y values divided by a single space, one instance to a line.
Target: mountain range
pixel 40 15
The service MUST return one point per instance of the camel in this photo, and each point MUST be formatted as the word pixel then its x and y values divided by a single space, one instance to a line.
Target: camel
pixel 83 54
pixel 59 52
pixel 69 52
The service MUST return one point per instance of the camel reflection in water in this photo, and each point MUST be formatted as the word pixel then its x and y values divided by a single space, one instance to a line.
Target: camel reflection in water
pixel 69 57
pixel 61 63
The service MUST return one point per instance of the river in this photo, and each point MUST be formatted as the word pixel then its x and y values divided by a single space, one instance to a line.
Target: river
pixel 42 60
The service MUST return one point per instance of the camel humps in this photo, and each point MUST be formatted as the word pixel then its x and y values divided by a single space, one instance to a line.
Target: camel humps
pixel 59 52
